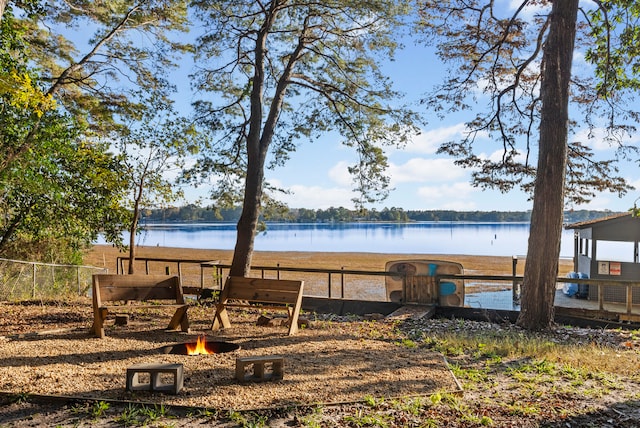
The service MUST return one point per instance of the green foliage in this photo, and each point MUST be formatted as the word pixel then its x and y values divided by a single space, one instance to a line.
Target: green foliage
pixel 248 420
pixel 59 186
pixel 144 415
pixel 615 31
pixel 292 72
pixel 495 73
pixel 194 213
pixel 323 76
pixel 130 416
pixel 98 409
pixel 362 419
pixel 151 148
pixel 57 195
pixel 133 36
pixel 19 398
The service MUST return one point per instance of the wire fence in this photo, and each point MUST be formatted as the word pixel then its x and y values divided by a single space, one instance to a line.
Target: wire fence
pixel 20 280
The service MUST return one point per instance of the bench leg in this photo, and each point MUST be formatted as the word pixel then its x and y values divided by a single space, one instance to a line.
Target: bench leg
pixel 99 315
pixel 181 319
pixel 293 319
pixel 221 318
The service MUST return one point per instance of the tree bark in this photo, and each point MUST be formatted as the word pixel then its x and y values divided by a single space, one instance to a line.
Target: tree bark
pixel 256 155
pixel 132 240
pixel 258 141
pixel 133 227
pixel 3 6
pixel 541 267
pixel 248 222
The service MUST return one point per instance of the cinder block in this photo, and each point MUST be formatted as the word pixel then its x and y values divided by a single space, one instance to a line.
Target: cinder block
pixel 157 375
pixel 122 319
pixel 259 368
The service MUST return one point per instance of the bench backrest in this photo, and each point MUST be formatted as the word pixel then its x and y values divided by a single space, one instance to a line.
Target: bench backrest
pixel 137 287
pixel 263 290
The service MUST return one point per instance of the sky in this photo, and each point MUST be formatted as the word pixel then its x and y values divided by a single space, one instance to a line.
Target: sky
pixel 316 174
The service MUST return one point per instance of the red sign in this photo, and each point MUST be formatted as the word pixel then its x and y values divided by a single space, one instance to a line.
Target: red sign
pixel 615 268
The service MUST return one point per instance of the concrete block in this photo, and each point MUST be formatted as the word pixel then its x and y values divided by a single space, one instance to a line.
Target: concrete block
pixel 167 378
pixel 259 368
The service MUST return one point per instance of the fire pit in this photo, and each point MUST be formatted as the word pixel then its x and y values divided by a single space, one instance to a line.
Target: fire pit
pixel 200 347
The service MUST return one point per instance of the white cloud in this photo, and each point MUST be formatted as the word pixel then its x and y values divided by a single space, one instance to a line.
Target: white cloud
pixel 530 11
pixel 579 62
pixel 455 196
pixel 600 202
pixel 599 140
pixel 339 174
pixel 424 170
pixel 429 141
pixel 315 197
pixel 497 156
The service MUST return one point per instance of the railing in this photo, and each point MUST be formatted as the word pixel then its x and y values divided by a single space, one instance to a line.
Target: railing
pixel 218 271
pixel 601 284
pixel 329 272
pixel 337 285
pixel 120 265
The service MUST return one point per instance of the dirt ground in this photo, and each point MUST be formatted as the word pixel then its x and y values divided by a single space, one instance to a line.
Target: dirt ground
pixel 105 256
pixel 341 371
pixel 326 362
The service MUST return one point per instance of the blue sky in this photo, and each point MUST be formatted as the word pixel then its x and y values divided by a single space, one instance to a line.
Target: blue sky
pixel 316 174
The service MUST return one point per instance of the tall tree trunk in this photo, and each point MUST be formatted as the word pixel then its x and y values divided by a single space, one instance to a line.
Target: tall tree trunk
pixel 256 154
pixel 248 223
pixel 132 238
pixel 133 227
pixel 541 267
pixel 258 141
pixel 3 6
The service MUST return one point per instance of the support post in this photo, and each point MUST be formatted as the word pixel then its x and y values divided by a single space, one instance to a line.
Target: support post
pixel 515 294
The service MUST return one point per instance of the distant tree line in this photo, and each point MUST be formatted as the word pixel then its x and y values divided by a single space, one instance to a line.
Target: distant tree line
pixel 194 213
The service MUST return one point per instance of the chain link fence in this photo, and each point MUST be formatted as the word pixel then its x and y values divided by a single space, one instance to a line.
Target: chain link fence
pixel 20 280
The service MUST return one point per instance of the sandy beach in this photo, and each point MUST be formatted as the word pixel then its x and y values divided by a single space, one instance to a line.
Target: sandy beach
pixel 356 286
pixel 105 256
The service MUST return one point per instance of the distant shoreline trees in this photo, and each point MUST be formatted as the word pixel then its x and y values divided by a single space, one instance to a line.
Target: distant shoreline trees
pixel 197 214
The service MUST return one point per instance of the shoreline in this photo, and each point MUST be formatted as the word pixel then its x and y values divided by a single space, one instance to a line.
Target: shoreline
pixel 101 255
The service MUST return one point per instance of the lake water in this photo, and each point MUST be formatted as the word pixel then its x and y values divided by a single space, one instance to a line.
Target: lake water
pixel 489 239
pixel 492 239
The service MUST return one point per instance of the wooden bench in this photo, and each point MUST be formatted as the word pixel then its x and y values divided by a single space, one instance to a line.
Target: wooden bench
pixel 273 294
pixel 127 288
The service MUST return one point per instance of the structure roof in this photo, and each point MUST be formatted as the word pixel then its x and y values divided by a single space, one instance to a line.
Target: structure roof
pixel 588 223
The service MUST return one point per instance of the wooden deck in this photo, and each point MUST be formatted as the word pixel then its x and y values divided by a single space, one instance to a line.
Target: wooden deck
pixel 590 308
pixel 565 305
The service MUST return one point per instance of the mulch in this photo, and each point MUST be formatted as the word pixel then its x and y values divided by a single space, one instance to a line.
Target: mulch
pixel 332 361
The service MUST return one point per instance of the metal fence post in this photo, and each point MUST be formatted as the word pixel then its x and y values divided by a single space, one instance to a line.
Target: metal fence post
pixel 515 294
pixel 33 291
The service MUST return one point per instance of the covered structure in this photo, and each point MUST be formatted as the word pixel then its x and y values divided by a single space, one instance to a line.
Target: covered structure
pixel 607 249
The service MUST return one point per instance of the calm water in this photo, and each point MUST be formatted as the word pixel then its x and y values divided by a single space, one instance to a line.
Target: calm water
pixel 497 239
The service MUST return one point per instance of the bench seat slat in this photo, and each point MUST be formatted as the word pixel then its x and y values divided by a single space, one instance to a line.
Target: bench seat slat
pixel 110 293
pixel 267 284
pixel 256 306
pixel 137 306
pixel 266 296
